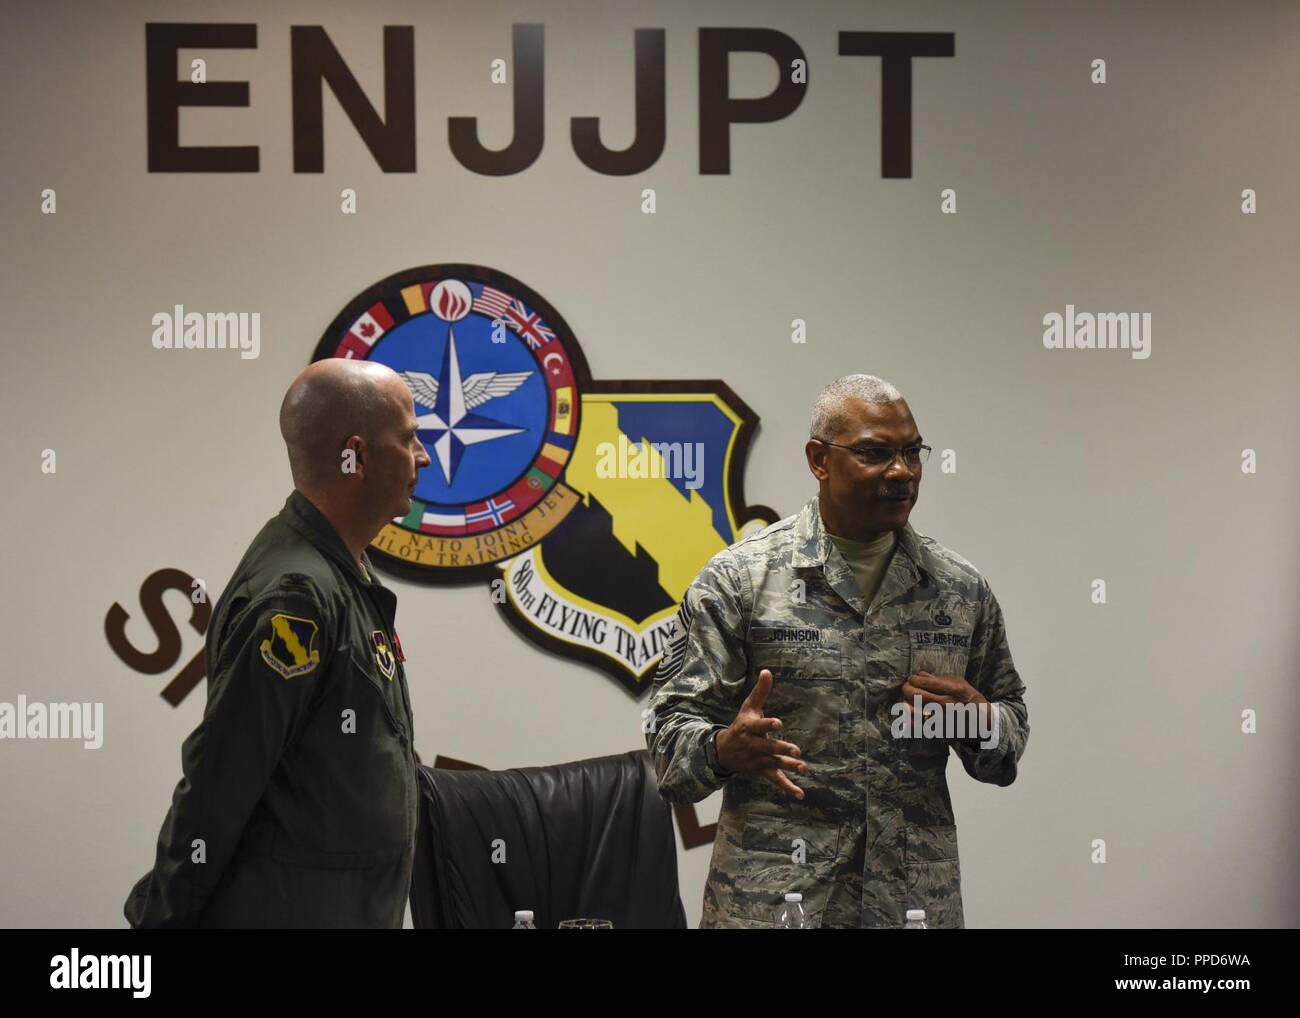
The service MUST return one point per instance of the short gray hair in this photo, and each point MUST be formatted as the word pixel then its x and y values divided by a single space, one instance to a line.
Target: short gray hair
pixel 828 417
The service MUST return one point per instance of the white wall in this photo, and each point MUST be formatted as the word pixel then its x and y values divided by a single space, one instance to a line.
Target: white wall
pixel 1071 464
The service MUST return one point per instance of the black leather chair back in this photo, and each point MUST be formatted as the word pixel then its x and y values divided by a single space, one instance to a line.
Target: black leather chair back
pixel 591 839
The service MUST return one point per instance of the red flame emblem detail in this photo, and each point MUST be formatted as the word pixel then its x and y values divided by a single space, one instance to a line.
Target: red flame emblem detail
pixel 449 305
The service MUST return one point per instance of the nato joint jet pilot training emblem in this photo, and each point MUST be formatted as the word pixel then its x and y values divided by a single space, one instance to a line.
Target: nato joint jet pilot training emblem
pixel 593 505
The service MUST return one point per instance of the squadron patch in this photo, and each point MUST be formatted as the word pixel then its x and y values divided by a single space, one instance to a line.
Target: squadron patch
pixel 290 649
pixel 383 656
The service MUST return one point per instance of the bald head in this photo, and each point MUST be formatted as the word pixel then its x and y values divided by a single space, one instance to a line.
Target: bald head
pixel 329 402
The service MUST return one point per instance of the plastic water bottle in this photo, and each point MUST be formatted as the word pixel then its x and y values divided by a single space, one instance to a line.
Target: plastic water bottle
pixel 792 916
pixel 916 919
pixel 523 921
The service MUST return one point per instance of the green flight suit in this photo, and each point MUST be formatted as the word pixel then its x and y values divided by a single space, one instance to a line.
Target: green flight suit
pixel 298 803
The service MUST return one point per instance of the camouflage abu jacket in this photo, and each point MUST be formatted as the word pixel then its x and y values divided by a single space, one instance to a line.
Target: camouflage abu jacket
pixel 874 834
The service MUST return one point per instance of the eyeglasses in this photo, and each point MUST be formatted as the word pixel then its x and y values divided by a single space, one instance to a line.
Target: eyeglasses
pixel 883 455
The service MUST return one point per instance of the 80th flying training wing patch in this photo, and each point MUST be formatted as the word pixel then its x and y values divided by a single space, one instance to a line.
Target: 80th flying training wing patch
pixel 290 649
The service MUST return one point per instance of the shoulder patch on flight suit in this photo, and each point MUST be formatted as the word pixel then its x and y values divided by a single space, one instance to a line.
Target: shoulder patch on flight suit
pixel 289 648
pixel 383 656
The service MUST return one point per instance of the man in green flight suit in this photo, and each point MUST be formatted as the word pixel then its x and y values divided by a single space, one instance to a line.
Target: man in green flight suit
pixel 298 803
pixel 800 655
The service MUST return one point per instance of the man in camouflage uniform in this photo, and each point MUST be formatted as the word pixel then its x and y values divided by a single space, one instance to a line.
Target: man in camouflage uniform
pixel 793 652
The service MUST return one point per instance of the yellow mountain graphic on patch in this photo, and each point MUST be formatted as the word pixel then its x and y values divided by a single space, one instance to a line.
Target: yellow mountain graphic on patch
pixel 676 532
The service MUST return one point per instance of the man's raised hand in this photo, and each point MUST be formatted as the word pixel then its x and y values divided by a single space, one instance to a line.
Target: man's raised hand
pixel 745 747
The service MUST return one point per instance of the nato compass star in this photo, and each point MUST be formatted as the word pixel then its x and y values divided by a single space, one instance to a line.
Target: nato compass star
pixel 451 427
